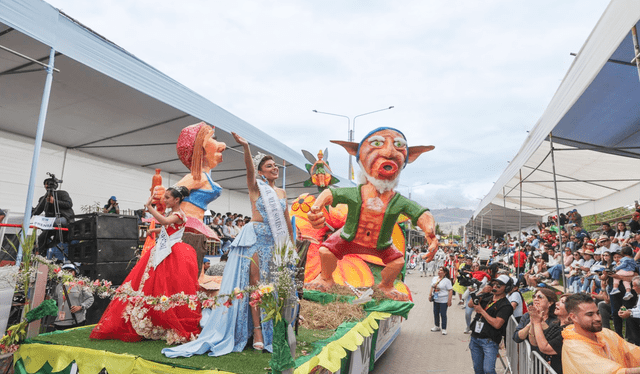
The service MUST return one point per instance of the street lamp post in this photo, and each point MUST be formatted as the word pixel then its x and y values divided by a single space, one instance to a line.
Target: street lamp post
pixel 410 188
pixel 351 130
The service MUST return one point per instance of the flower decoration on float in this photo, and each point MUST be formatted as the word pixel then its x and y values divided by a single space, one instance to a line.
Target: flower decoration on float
pixel 303 203
pixel 23 276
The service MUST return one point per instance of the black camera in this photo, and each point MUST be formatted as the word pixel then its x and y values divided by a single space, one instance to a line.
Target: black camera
pixel 465 279
pixel 475 298
pixel 52 182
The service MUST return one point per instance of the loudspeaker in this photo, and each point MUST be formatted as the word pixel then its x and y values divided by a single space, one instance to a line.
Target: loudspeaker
pixel 103 250
pixel 115 272
pixel 97 309
pixel 103 226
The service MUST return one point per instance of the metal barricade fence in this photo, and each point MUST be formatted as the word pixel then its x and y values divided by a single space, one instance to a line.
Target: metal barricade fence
pixel 520 358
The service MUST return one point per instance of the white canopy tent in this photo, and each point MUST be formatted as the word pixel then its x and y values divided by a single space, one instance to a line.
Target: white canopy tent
pixel 106 104
pixel 587 142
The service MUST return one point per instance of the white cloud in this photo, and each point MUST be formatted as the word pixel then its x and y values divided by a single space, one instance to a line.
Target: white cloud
pixel 469 77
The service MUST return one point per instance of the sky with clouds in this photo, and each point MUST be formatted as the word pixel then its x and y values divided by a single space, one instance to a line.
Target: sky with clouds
pixel 469 77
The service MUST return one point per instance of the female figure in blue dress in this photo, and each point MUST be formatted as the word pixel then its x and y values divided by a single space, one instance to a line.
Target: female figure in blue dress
pixel 227 330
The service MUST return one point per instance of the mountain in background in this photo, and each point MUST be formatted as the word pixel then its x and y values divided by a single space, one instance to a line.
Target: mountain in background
pixel 451 219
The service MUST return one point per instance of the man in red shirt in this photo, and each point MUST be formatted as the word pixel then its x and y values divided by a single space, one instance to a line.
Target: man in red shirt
pixel 519 260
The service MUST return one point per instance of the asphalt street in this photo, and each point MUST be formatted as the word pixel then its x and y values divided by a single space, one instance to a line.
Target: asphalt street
pixel 417 349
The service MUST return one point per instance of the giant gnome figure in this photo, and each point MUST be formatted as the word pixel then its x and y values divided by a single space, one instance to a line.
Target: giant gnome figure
pixel 374 207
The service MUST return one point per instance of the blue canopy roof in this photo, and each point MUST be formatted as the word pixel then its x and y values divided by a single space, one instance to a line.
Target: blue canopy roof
pixel 593 121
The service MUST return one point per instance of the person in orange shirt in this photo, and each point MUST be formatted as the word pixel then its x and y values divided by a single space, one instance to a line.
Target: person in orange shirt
pixel 588 348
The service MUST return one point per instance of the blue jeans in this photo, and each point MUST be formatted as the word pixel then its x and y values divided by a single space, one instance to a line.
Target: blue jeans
pixel 440 312
pixel 586 286
pixel 483 354
pixel 555 272
pixel 468 312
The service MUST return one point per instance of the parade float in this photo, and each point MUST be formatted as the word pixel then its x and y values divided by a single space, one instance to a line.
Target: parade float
pixel 367 283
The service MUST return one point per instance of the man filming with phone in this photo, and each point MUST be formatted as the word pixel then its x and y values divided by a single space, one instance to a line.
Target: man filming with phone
pixel 54 203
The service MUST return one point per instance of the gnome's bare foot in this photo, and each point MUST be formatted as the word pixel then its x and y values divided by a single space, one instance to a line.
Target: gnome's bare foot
pixel 392 293
pixel 320 284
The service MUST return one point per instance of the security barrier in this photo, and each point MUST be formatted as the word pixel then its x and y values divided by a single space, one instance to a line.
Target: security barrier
pixel 520 358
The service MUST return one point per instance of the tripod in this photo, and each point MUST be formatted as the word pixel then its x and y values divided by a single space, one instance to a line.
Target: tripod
pixel 47 239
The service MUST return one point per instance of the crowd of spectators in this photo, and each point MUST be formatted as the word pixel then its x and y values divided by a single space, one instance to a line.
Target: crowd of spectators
pixel 227 226
pixel 600 269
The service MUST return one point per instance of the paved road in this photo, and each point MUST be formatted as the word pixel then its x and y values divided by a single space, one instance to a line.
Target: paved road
pixel 417 349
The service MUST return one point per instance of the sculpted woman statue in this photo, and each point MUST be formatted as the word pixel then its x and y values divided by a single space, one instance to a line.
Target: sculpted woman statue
pixel 200 152
pixel 227 330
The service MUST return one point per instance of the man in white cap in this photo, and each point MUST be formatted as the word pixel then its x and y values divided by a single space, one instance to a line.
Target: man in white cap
pixel 604 243
pixel 488 326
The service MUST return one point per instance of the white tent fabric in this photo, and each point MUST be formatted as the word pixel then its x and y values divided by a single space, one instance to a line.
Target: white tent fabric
pixel 593 119
pixel 110 105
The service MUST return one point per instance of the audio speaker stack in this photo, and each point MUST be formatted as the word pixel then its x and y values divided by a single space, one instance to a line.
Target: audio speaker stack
pixel 105 245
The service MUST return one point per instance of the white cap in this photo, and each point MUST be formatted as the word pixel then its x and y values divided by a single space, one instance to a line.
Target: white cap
pixel 504 279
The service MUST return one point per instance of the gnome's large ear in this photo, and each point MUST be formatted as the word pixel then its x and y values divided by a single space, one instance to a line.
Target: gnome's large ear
pixel 416 151
pixel 351 147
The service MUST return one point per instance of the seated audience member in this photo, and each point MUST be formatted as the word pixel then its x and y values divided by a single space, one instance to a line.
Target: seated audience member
pixel 555 272
pixel 217 220
pixel 622 234
pixel 607 230
pixel 72 304
pixel 208 284
pixel 607 245
pixel 625 267
pixel 633 323
pixel 604 307
pixel 229 233
pixel 544 333
pixel 576 217
pixel 2 215
pixel 587 348
pixel 634 223
pixel 580 233
pixel 218 268
pixel 583 267
pixel 111 206
pixel 531 277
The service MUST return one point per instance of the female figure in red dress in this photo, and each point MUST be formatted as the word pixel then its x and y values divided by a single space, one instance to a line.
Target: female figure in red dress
pixel 168 269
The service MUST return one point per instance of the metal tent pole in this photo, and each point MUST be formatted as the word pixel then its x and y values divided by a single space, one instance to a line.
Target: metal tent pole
pixel 284 175
pixel 520 213
pixel 636 48
pixel 504 213
pixel 481 224
pixel 44 105
pixel 491 221
pixel 520 224
pixel 64 163
pixel 555 188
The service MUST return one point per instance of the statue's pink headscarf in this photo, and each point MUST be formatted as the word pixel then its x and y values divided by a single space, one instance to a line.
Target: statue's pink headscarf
pixel 190 144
